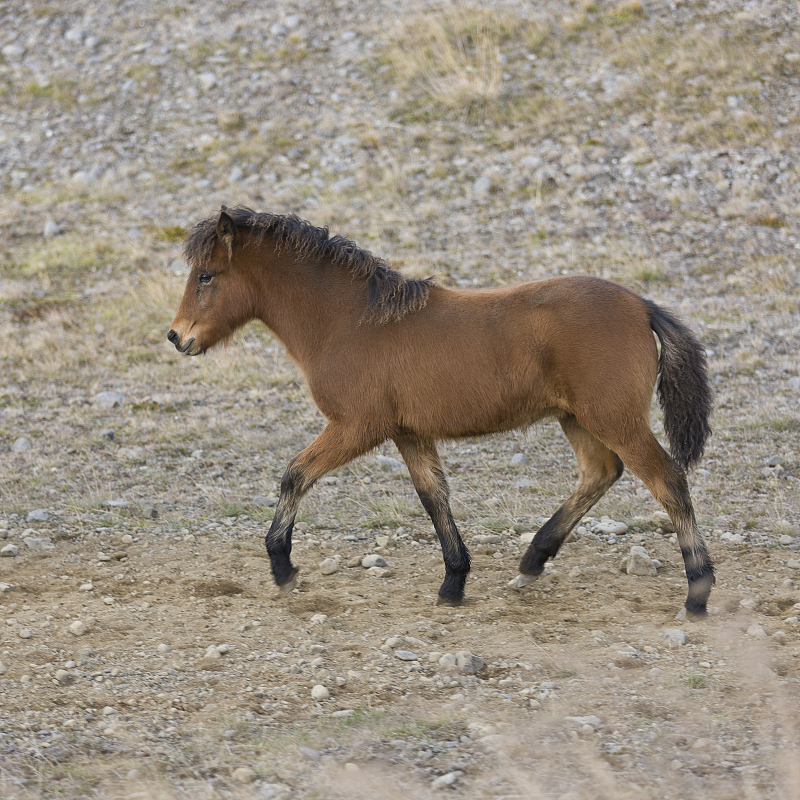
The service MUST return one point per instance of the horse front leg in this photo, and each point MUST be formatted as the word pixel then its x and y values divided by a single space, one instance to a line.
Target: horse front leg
pixel 334 447
pixel 428 477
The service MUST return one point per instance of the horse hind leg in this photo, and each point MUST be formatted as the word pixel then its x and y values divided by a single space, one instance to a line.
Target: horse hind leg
pixel 647 459
pixel 425 468
pixel 599 468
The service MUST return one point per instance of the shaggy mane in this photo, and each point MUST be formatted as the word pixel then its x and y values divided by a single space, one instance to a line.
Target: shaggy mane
pixel 390 295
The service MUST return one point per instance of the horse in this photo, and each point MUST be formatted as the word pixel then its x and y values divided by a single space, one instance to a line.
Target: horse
pixel 389 357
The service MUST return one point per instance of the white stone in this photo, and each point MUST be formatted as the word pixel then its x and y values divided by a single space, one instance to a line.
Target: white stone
pixel 21 445
pixel 756 631
pixel 329 566
pixel 748 603
pixel 110 711
pixel 77 628
pixel 25 633
pixel 373 560
pixel 3 668
pixel 610 527
pixel 793 563
pixel 64 677
pixel 591 720
pixel 640 563
pixel 207 80
pixel 9 551
pixel 163 648
pixel 108 400
pixel 443 781
pixel 86 587
pixel 319 693
pixel 6 587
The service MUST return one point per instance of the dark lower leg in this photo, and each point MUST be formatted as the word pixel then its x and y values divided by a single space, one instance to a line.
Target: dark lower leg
pixel 279 539
pixel 599 468
pixel 426 472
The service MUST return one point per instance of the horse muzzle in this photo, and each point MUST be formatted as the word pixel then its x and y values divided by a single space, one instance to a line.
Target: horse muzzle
pixel 190 348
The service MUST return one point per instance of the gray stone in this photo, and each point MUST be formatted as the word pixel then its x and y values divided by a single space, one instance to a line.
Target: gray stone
pixel 77 628
pixel 64 677
pixel 786 539
pixel 443 781
pixel 3 668
pixel 21 445
pixel 389 464
pixel 482 185
pixel 518 459
pixel 663 521
pixel 38 543
pixel 9 551
pixel 373 560
pixel 207 81
pixel 108 400
pixel 265 500
pixel 675 636
pixel 793 563
pixel 640 563
pixel 591 720
pixel 50 229
pixel 406 655
pixel 756 631
pixel 749 603
pixel 38 515
pixel 13 51
pixel 467 663
pixel 25 633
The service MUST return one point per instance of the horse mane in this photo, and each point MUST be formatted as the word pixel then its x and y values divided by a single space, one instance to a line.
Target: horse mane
pixel 390 295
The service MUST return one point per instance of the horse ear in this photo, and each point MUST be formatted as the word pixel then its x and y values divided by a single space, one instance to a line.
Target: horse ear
pixel 226 230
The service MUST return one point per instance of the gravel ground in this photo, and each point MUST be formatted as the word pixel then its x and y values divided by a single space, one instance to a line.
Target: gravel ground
pixel 144 651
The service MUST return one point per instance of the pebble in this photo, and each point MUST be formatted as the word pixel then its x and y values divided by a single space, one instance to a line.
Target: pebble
pixel 110 711
pixel 640 563
pixel 373 560
pixel 38 515
pixel 675 636
pixel 6 587
pixel 793 563
pixel 489 538
pixel 443 781
pixel 77 628
pixel 13 51
pixel 468 663
pixel 329 566
pixel 64 677
pixel 25 633
pixel 86 587
pixel 37 543
pixel 610 527
pixel 3 668
pixel 244 775
pixel 406 655
pixel 518 459
pixel 265 500
pixel 591 720
pixel 21 445
pixel 756 631
pixel 482 185
pixel 389 464
pixel 319 693
pixel 786 539
pixel 207 80
pixel 163 648
pixel 748 603
pixel 109 400
pixel 9 551
pixel 50 229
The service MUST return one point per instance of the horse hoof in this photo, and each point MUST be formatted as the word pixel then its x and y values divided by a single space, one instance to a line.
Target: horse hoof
pixel 521 580
pixel 447 602
pixel 684 615
pixel 286 587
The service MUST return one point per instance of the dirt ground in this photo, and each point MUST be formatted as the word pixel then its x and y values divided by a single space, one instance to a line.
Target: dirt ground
pixel 145 651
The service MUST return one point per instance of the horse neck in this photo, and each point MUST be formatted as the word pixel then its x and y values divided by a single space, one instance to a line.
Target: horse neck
pixel 303 301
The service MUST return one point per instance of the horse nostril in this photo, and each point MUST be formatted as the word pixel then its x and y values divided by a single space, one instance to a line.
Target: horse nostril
pixel 173 337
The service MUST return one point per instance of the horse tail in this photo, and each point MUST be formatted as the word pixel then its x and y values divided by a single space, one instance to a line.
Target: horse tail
pixel 683 389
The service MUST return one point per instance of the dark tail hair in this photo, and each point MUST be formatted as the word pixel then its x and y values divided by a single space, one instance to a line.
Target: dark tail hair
pixel 683 389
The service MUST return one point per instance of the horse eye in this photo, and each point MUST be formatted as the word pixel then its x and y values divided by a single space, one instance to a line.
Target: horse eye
pixel 205 278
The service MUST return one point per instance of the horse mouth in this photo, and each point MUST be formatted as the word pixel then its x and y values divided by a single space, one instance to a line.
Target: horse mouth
pixel 186 349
